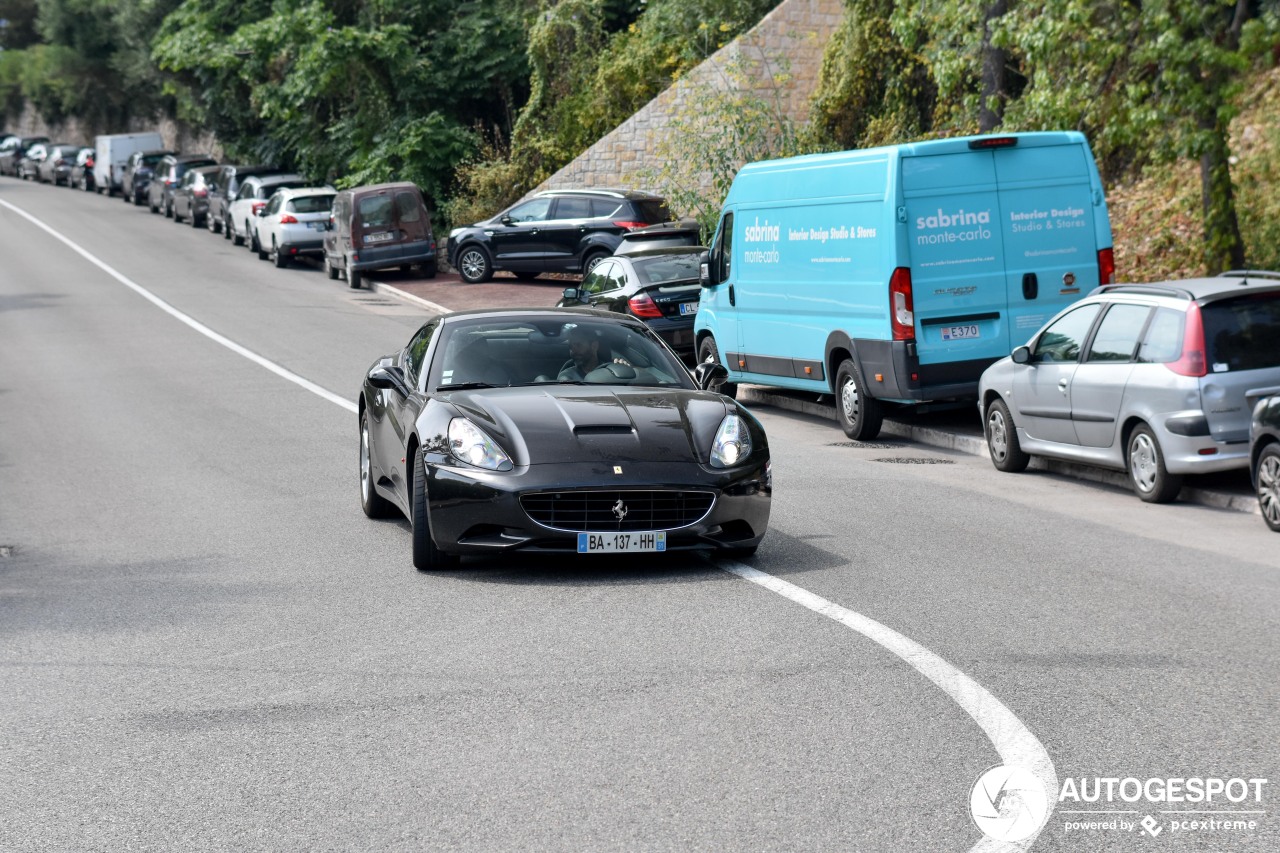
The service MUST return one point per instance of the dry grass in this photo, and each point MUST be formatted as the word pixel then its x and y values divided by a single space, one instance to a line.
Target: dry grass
pixel 1156 220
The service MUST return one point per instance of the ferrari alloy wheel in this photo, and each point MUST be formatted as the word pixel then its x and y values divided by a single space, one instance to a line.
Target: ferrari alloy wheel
pixel 373 504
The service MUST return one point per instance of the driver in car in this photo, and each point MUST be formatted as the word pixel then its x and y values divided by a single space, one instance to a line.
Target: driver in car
pixel 584 355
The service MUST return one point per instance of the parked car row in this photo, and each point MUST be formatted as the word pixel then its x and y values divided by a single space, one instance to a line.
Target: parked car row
pixel 277 215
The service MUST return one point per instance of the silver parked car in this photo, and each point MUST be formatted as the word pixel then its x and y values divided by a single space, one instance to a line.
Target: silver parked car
pixel 1159 380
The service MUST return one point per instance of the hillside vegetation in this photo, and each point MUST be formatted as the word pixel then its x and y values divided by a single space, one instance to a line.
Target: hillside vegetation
pixel 479 101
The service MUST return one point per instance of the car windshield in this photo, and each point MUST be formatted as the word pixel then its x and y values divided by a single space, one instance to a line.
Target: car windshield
pixel 311 204
pixel 502 352
pixel 1243 332
pixel 668 268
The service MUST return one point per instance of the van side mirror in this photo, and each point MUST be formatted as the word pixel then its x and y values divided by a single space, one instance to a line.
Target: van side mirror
pixel 704 274
pixel 1021 355
pixel 708 375
pixel 571 294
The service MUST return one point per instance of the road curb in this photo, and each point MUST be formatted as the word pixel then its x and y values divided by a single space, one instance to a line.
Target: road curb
pixel 754 395
pixel 392 290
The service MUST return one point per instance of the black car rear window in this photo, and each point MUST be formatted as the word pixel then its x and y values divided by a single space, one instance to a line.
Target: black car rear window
pixel 1243 332
pixel 667 269
pixel 652 211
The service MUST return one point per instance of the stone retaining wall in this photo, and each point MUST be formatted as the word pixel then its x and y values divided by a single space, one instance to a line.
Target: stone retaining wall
pixel 794 35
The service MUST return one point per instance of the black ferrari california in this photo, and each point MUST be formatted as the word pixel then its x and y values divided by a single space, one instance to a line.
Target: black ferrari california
pixel 557 430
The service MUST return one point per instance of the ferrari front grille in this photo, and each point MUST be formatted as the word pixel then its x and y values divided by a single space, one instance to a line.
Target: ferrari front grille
pixel 617 509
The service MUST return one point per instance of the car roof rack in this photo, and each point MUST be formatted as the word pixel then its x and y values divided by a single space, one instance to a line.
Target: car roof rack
pixel 1152 289
pixel 1246 274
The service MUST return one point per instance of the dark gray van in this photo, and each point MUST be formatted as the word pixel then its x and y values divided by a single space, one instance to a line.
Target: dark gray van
pixel 378 227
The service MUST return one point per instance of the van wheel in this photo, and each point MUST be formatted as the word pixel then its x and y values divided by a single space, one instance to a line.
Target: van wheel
pixel 474 265
pixel 1151 480
pixel 330 270
pixel 354 278
pixel 707 351
pixel 859 413
pixel 1002 439
pixel 429 269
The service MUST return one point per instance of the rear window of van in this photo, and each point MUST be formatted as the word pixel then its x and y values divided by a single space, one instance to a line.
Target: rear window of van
pixel 375 211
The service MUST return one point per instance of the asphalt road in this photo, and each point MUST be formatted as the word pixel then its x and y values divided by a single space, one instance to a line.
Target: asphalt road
pixel 204 645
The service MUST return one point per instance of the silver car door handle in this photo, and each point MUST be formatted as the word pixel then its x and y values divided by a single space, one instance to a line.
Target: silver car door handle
pixel 1062 383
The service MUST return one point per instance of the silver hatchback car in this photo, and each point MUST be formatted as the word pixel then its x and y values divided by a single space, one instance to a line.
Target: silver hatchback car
pixel 1158 380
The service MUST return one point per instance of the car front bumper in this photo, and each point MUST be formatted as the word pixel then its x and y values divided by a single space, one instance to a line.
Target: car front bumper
pixel 479 512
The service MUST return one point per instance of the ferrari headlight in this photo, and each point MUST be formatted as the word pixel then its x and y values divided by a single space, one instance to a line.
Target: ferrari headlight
pixel 732 444
pixel 470 445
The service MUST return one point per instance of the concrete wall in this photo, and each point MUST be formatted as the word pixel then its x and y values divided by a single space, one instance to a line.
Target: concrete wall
pixel 797 31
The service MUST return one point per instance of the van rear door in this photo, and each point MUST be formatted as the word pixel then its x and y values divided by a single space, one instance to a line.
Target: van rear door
pixel 1048 231
pixel 956 247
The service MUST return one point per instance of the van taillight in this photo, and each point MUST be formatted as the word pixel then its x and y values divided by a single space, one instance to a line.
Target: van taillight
pixel 902 310
pixel 1106 267
pixel 1192 362
pixel 629 225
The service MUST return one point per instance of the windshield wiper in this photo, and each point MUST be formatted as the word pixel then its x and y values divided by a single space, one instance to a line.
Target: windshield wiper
pixel 465 386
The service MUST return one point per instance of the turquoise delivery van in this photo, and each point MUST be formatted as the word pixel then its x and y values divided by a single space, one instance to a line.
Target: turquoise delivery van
pixel 896 275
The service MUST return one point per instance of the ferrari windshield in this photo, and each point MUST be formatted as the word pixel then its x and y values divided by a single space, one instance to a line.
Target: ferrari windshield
pixel 502 352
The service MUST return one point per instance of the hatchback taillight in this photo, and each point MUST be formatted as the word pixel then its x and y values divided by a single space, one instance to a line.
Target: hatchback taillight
pixel 258 205
pixel 902 315
pixel 642 305
pixel 200 192
pixel 1192 361
pixel 629 225
pixel 1106 267
pixel 288 219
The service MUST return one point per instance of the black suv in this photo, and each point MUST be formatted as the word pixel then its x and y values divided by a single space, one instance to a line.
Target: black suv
pixel 223 189
pixel 168 174
pixel 554 231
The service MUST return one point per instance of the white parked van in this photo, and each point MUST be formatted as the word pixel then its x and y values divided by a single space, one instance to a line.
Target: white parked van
pixel 111 153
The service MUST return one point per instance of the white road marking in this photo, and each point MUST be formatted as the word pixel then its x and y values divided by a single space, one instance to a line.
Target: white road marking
pixel 282 372
pixel 1013 741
